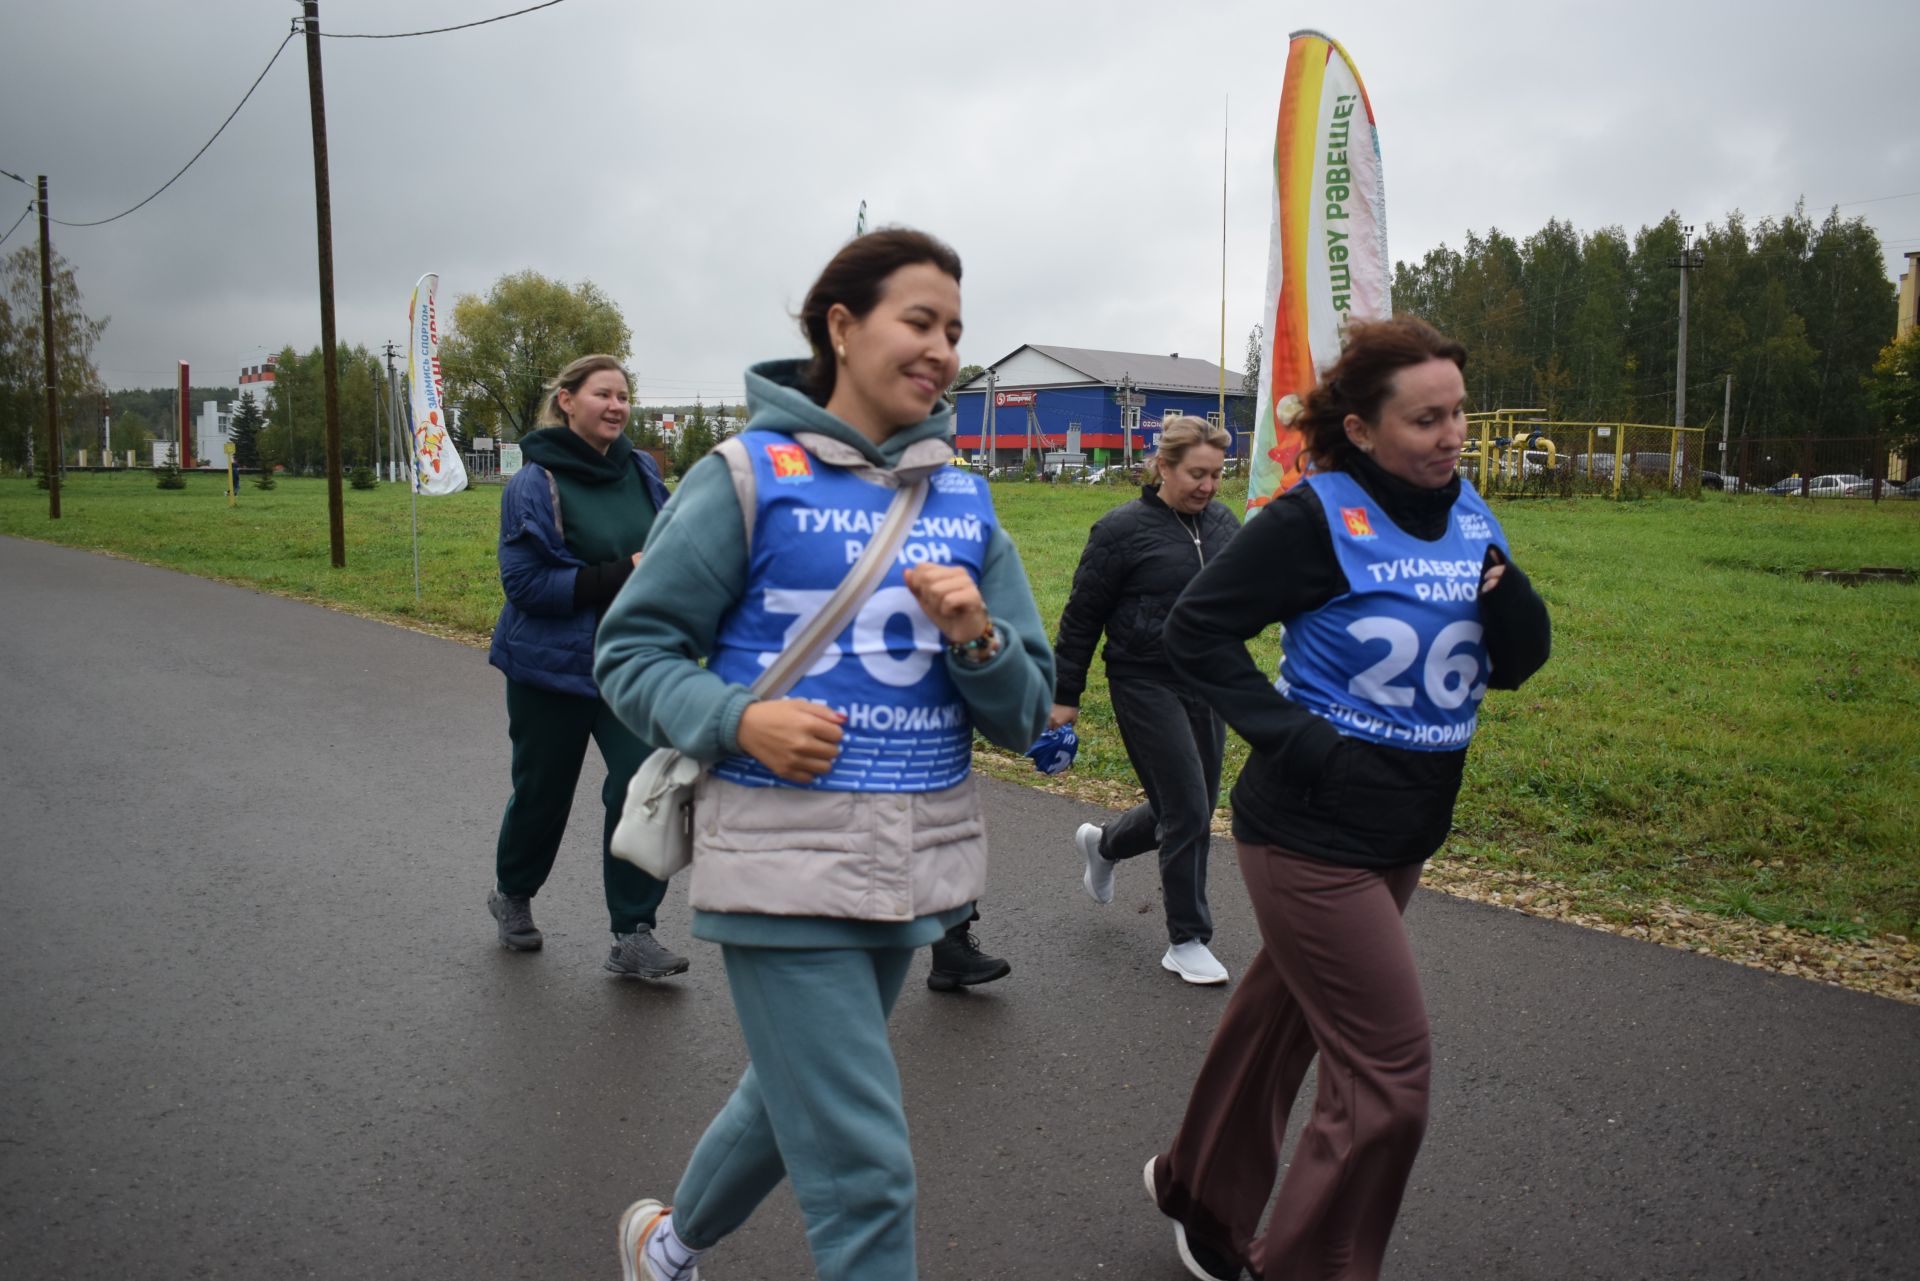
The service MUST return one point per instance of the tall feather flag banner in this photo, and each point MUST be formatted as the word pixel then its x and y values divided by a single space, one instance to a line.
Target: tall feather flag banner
pixel 1328 262
pixel 437 468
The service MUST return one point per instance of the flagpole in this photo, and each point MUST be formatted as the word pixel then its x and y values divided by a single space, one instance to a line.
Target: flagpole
pixel 413 445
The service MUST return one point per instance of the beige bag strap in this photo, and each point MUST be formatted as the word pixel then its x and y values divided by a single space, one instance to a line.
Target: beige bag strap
pixel 740 472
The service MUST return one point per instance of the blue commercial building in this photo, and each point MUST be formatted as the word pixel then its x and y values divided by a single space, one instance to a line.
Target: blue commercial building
pixel 1068 400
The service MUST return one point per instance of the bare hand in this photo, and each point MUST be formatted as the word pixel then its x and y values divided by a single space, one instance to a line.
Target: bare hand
pixel 951 599
pixel 795 739
pixel 1062 715
pixel 636 560
pixel 1491 579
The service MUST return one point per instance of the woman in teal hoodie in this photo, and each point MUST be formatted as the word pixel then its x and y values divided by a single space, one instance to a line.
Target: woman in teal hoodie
pixel 838 830
pixel 572 522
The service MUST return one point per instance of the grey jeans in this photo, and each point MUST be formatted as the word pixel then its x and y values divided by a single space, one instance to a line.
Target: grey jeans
pixel 1175 743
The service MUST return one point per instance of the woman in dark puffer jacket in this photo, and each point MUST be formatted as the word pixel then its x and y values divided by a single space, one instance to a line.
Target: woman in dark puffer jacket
pixel 1137 561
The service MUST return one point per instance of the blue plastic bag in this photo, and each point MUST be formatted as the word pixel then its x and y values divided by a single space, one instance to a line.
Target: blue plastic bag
pixel 1054 753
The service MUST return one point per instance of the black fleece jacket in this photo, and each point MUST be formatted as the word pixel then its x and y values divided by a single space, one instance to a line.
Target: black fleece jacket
pixel 1139 557
pixel 1306 787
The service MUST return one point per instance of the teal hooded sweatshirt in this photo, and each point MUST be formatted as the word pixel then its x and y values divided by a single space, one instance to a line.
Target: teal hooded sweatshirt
pixel 694 572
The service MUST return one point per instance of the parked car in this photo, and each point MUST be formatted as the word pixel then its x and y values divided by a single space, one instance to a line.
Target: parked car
pixel 1910 490
pixel 1526 464
pixel 1783 487
pixel 1646 463
pixel 1837 485
pixel 1095 476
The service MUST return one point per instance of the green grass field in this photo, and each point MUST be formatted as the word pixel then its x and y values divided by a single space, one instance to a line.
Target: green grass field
pixel 1713 731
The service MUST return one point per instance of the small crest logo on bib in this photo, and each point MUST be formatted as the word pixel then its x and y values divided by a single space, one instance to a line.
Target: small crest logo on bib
pixel 1474 525
pixel 791 466
pixel 1358 526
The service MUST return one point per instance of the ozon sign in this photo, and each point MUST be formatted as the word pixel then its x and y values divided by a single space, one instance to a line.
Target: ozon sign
pixel 1002 399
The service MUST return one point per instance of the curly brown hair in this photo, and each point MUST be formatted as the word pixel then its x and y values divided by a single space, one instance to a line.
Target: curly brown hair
pixel 1362 380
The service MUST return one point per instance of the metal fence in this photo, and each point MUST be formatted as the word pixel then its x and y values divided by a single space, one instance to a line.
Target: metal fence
pixel 1513 452
pixel 1869 467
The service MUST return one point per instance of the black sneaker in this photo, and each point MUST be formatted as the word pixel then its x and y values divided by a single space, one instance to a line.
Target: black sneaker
pixel 643 956
pixel 1200 1259
pixel 959 962
pixel 515 914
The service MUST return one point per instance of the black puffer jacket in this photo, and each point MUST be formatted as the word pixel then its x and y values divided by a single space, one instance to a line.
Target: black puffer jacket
pixel 1139 557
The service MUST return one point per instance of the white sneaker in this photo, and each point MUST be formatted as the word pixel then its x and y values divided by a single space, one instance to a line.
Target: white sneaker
pixel 1099 875
pixel 637 1228
pixel 1193 962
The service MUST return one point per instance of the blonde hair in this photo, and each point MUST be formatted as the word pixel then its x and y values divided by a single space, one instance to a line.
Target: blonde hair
pixel 1182 434
pixel 571 380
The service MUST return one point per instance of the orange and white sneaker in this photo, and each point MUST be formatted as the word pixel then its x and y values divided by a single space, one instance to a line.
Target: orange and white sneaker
pixel 649 1250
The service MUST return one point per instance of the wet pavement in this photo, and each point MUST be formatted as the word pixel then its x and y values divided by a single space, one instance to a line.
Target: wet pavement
pixel 256 1022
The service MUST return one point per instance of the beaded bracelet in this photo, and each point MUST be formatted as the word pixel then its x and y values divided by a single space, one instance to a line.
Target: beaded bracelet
pixel 979 649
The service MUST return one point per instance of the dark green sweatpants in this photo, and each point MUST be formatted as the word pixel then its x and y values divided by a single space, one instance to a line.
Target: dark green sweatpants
pixel 549 732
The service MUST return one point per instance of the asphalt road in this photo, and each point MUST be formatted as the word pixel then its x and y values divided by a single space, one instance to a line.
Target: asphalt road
pixel 256 1023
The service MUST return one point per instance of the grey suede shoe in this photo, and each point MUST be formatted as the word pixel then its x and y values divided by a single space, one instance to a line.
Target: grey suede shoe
pixel 515 914
pixel 644 956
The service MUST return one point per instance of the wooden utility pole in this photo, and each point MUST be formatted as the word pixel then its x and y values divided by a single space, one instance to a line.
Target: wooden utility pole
pixel 55 455
pixel 329 348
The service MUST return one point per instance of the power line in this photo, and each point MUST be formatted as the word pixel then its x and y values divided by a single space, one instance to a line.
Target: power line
pixel 403 35
pixel 17 221
pixel 1874 200
pixel 196 155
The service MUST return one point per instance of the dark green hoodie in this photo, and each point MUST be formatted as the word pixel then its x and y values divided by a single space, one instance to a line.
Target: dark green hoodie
pixel 602 504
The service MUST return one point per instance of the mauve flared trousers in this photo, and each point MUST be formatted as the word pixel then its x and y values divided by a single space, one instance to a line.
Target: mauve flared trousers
pixel 1334 977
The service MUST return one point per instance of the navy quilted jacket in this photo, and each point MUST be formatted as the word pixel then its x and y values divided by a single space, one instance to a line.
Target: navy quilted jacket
pixel 541 639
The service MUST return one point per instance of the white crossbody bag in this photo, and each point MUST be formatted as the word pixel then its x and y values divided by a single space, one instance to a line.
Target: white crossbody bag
pixel 655 832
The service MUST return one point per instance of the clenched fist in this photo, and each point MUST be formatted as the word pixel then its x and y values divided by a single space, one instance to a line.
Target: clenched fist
pixel 795 739
pixel 951 599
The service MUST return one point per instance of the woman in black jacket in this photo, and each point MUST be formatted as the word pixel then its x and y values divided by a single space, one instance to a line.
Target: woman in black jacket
pixel 1402 608
pixel 1138 559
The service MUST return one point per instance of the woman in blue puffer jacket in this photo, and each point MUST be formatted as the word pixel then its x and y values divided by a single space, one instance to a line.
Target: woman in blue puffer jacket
pixel 572 523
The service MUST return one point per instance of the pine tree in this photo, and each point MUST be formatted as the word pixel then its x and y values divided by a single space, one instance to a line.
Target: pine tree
pixel 168 475
pixel 245 431
pixel 265 480
pixel 696 440
pixel 1246 410
pixel 643 430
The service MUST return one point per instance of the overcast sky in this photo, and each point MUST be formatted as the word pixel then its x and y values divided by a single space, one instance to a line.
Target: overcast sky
pixel 700 161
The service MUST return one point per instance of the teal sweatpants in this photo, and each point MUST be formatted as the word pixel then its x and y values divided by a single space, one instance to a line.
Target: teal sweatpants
pixel 819 1104
pixel 550 733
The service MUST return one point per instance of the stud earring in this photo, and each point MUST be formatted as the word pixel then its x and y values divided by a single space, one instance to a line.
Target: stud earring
pixel 842 349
